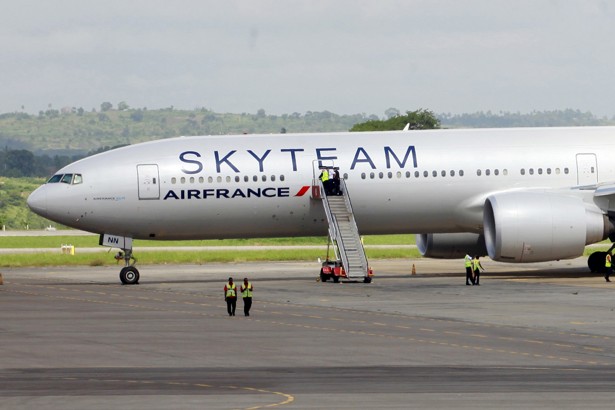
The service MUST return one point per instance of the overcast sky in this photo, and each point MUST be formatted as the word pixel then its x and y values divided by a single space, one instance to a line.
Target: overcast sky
pixel 289 56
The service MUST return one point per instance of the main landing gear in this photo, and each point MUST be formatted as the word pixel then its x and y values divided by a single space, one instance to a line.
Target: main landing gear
pixel 129 275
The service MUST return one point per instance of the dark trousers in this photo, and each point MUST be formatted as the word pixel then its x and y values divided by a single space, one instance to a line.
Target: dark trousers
pixel 469 275
pixel 609 272
pixel 247 304
pixel 231 304
pixel 476 276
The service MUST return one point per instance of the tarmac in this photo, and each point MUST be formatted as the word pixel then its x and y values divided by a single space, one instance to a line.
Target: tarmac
pixel 534 336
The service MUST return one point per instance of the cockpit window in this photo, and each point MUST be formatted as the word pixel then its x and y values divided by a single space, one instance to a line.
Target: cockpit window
pixel 73 179
pixel 54 179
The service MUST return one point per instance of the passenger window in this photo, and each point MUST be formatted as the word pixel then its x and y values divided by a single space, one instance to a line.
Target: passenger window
pixel 522 171
pixel 201 180
pixel 255 178
pixel 282 178
pixel 237 179
pixel 557 171
pixel 408 174
pixel 443 173
pixel 192 180
pixel 363 175
pixel 219 179
pixel 531 171
pixel 174 180
pixel 504 171
pixel 478 172
pixel 548 171
pixel 380 175
pixel 345 176
pixel 566 170
pixel 273 178
pixel 182 180
pixel 390 175
pixel 539 171
pixel 461 172
pixel 425 174
pixel 264 178
pixel 210 180
pixel 417 174
pixel 371 175
pixel 228 179
pixel 246 178
pixel 452 173
pixel 487 172
pixel 434 173
pixel 496 172
pixel 67 178
pixel 77 179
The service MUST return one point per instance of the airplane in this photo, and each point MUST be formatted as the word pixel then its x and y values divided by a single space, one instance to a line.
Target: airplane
pixel 516 194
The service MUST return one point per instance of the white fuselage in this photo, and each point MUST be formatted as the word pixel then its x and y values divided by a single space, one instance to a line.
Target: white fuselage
pixel 260 185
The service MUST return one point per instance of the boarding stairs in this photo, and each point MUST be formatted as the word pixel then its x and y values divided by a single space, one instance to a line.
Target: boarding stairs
pixel 344 233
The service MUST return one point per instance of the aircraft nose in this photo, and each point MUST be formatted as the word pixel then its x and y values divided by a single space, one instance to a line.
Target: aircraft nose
pixel 37 201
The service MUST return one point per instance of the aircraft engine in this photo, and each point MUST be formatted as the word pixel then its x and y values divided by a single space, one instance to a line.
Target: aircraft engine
pixel 450 245
pixel 538 226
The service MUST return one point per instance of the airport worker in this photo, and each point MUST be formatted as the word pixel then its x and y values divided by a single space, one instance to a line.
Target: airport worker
pixel 477 267
pixel 246 292
pixel 469 270
pixel 609 266
pixel 324 178
pixel 336 182
pixel 230 296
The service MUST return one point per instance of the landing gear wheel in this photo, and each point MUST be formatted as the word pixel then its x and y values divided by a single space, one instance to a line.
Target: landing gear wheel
pixel 367 279
pixel 324 277
pixel 336 279
pixel 595 262
pixel 129 275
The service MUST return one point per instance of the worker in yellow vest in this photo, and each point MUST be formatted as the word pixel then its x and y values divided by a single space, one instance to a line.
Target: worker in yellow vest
pixel 609 267
pixel 230 296
pixel 469 275
pixel 326 182
pixel 477 267
pixel 246 293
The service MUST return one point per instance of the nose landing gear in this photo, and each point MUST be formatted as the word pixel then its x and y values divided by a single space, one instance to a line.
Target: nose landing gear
pixel 129 275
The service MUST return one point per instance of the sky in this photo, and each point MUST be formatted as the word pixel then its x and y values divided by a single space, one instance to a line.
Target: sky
pixel 285 56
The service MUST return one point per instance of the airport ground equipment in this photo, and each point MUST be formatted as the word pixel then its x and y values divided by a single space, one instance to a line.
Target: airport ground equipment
pixel 350 261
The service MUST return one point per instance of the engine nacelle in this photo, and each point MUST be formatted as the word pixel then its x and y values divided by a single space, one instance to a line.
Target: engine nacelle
pixel 538 226
pixel 450 245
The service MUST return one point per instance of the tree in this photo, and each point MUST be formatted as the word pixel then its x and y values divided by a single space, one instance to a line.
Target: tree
pixel 106 106
pixel 392 112
pixel 420 119
pixel 122 106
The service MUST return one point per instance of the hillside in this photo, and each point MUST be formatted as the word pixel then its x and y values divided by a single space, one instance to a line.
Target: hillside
pixel 77 132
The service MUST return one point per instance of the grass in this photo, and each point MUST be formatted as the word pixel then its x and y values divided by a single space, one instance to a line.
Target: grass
pixel 178 257
pixel 92 241
pixel 187 257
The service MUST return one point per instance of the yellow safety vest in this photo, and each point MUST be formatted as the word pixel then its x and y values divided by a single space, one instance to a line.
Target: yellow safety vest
pixel 468 263
pixel 230 291
pixel 607 262
pixel 324 176
pixel 475 264
pixel 247 291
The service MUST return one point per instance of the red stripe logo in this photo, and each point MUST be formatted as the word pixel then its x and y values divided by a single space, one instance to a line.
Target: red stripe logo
pixel 303 190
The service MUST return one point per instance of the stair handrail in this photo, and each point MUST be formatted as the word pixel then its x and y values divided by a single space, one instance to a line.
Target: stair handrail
pixel 348 202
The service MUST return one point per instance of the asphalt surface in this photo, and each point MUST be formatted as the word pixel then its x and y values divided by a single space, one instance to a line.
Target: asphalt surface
pixel 531 336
